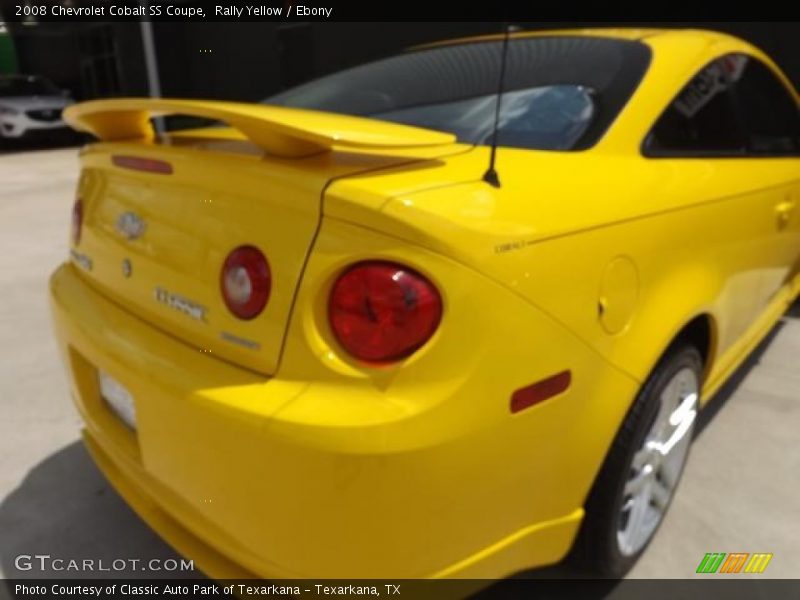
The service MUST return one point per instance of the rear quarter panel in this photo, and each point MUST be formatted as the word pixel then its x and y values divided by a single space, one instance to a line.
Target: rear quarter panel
pixel 430 443
pixel 695 236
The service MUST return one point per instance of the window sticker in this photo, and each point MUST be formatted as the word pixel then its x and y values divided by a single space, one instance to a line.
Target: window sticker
pixel 712 80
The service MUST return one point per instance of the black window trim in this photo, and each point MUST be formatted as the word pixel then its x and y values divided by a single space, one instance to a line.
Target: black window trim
pixel 648 152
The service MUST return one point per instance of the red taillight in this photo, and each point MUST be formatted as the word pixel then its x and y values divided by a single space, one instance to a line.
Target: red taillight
pixel 142 164
pixel 77 221
pixel 381 311
pixel 245 282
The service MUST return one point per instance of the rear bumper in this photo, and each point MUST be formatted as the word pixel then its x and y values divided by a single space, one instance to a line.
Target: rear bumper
pixel 148 499
pixel 230 482
pixel 156 505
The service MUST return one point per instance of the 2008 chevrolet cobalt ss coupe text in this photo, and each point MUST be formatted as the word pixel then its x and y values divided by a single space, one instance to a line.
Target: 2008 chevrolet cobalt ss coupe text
pixel 319 343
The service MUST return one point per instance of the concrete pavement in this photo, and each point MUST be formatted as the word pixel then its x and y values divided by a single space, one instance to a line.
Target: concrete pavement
pixel 739 494
pixel 53 500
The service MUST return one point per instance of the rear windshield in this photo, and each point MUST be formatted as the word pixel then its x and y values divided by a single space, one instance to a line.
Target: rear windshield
pixel 560 93
pixel 26 86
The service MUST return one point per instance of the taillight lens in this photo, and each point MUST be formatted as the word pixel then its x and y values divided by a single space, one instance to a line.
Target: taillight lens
pixel 245 281
pixel 382 311
pixel 77 221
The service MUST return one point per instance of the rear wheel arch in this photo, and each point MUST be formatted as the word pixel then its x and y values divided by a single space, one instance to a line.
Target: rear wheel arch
pixel 701 333
pixel 597 547
pixel 698 332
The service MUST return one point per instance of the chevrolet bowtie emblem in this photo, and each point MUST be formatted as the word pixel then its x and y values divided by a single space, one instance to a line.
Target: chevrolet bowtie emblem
pixel 131 225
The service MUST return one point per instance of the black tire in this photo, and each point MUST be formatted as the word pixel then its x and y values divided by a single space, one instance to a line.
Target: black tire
pixel 597 549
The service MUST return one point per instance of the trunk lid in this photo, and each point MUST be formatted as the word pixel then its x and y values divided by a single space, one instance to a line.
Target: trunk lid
pixel 155 241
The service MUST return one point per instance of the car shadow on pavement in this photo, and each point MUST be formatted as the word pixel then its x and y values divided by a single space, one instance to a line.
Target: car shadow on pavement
pixel 66 509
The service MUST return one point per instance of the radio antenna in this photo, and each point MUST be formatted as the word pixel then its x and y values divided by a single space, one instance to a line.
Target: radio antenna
pixel 491 176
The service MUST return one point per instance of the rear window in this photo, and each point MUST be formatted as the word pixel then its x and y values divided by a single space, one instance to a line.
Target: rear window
pixel 560 93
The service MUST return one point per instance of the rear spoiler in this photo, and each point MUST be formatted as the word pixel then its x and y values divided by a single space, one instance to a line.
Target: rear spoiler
pixel 288 132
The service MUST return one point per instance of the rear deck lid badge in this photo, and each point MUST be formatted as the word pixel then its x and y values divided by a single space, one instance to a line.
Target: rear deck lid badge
pixel 130 225
pixel 180 303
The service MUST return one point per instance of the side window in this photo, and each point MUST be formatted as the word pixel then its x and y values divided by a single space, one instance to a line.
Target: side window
pixel 770 112
pixel 735 106
pixel 702 120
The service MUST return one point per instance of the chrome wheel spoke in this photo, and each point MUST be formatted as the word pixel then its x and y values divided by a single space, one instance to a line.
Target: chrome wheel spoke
pixel 636 520
pixel 641 458
pixel 665 409
pixel 685 410
pixel 637 483
pixel 660 494
pixel 676 434
pixel 667 474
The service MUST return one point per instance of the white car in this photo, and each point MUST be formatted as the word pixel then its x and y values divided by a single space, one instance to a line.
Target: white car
pixel 30 105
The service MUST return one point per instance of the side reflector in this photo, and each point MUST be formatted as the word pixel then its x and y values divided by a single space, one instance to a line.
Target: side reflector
pixel 142 164
pixel 540 391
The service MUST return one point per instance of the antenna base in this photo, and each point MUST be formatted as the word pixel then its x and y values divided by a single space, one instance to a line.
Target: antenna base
pixel 491 178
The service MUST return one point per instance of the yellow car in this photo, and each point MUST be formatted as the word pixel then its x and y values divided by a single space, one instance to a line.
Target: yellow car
pixel 328 340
